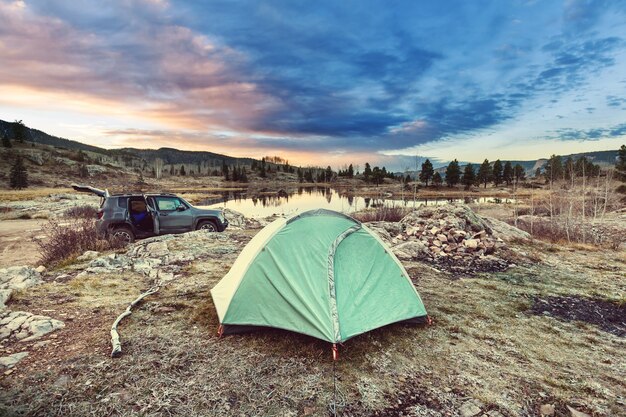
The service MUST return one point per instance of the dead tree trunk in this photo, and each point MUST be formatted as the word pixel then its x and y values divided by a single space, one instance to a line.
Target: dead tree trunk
pixel 115 337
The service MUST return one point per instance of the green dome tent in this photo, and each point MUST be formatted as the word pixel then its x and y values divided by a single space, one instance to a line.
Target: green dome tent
pixel 320 273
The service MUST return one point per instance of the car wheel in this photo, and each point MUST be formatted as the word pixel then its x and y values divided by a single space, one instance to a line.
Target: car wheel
pixel 123 234
pixel 207 225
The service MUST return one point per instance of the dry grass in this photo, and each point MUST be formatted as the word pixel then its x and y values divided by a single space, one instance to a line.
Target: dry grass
pixel 64 241
pixel 30 193
pixel 387 214
pixel 81 212
pixel 484 345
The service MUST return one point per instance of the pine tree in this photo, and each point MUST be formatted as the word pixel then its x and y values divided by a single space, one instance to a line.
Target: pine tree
pixel 350 171
pixel 329 174
pixel 6 142
pixel 226 172
pixel 569 169
pixel 407 179
pixel 497 173
pixel 484 173
pixel 19 177
pixel 377 175
pixel 235 174
pixel 469 176
pixel 262 172
pixel 620 165
pixel 519 173
pixel 20 131
pixel 453 173
pixel 427 172
pixel 508 173
pixel 437 180
pixel 83 172
pixel 182 170
pixel 367 173
pixel 553 169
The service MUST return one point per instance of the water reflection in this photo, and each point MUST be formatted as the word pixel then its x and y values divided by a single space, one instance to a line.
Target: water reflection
pixel 266 204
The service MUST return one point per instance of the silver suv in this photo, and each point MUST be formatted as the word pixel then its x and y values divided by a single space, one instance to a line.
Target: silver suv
pixel 131 216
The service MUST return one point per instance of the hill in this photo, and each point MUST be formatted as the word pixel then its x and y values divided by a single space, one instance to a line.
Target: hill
pixel 128 156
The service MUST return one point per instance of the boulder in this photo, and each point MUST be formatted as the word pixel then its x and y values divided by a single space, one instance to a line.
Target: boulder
pixel 237 220
pixel 12 360
pixel 5 294
pixel 505 231
pixel 19 277
pixel 470 409
pixel 156 249
pixel 88 255
pixel 410 250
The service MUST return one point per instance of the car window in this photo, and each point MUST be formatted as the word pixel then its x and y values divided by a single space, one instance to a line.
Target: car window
pixel 122 202
pixel 168 203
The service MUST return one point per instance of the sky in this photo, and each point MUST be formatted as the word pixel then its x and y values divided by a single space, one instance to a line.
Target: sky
pixel 321 82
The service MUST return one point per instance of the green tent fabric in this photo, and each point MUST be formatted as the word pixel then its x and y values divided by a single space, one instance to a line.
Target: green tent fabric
pixel 320 273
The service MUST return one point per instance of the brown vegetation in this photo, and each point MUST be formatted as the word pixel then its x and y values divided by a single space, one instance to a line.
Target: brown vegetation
pixel 81 212
pixel 387 214
pixel 66 240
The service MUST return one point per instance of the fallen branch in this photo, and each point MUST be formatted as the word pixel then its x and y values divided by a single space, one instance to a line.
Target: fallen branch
pixel 115 337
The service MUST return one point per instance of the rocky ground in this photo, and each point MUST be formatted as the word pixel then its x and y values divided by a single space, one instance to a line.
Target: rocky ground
pixel 521 328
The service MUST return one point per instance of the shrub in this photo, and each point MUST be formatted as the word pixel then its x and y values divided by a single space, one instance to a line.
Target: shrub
pixel 64 241
pixel 387 214
pixel 81 212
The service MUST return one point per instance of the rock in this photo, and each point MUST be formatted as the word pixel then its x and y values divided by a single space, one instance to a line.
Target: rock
pixel 237 220
pixel 442 238
pixel 410 250
pixel 156 249
pixel 470 243
pixel 88 255
pixel 16 323
pixel 575 413
pixel 146 265
pixel 12 360
pixel 41 269
pixel 505 231
pixel 19 277
pixel 470 409
pixel 62 381
pixel 547 410
pixel 5 295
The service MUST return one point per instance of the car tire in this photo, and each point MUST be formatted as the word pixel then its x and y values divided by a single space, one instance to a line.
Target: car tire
pixel 206 225
pixel 123 233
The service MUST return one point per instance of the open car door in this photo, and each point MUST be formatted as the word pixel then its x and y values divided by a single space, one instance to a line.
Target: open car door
pixel 153 213
pixel 88 189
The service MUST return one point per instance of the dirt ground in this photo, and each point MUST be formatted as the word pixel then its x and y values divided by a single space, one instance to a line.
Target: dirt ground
pixel 16 242
pixel 489 346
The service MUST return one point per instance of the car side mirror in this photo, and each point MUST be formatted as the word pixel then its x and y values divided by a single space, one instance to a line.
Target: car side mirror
pixel 181 208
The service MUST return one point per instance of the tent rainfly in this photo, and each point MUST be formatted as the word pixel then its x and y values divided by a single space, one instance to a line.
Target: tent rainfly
pixel 320 273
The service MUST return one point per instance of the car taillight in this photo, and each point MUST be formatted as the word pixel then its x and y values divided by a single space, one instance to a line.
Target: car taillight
pixel 99 214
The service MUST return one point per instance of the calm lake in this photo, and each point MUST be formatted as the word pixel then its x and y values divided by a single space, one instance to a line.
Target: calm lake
pixel 310 198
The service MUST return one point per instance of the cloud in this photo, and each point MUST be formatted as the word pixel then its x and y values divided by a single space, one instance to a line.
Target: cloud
pixel 331 77
pixel 615 131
